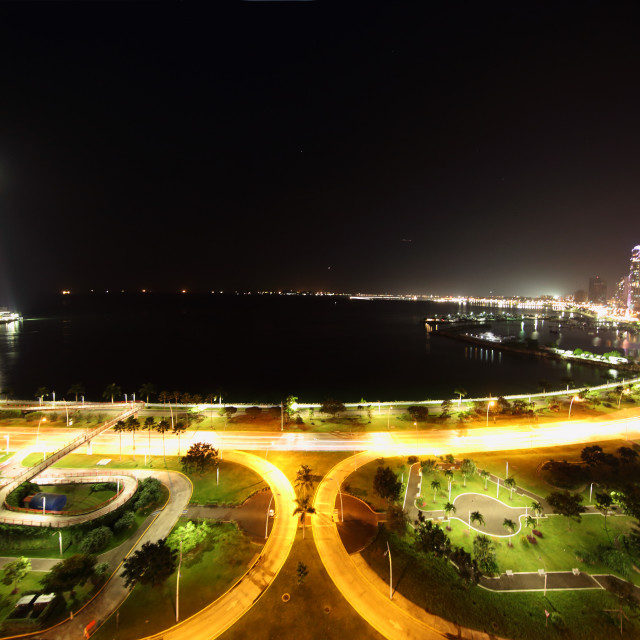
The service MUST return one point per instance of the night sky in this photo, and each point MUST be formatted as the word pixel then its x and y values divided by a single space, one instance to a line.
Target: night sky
pixel 441 148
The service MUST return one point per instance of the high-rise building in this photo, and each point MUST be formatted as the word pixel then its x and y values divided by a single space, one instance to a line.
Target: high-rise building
pixel 622 293
pixel 633 301
pixel 597 290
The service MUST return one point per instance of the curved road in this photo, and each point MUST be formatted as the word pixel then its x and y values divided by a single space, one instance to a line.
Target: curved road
pixel 221 614
pixel 376 608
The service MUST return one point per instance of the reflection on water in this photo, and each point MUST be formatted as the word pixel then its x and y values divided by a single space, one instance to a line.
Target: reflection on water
pixel 264 348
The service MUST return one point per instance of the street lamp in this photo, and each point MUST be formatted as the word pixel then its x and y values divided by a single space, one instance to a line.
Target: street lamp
pixel 341 505
pixel 489 405
pixel 571 404
pixel 591 490
pixel 266 528
pixel 42 419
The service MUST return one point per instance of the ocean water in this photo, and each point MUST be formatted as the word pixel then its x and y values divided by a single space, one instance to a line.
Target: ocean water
pixel 260 349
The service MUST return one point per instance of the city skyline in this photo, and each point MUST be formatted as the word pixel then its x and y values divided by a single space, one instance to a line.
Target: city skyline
pixel 460 150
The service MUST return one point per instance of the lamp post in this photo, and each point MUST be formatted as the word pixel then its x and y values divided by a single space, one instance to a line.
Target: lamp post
pixel 591 490
pixel 489 405
pixel 42 419
pixel 66 409
pixel 178 584
pixel 266 528
pixel 390 573
pixel 44 504
pixel 341 505
pixel 571 404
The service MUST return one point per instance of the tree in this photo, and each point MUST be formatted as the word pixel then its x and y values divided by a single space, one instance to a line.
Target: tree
pixel 484 551
pixel 152 564
pixel 133 425
pixel 96 540
pixel 201 457
pixel 386 484
pixel 76 390
pixel 68 574
pixel 477 518
pixel 445 406
pixel 536 507
pixel 430 538
pixel 119 427
pixel 111 391
pixel 461 392
pixel 146 390
pixel 230 412
pixel 149 426
pixel 485 475
pixel 302 572
pixel 448 509
pixel 397 519
pixel 126 521
pixel 190 536
pixel 253 412
pixel 41 393
pixel 15 572
pixel 178 428
pixel 303 483
pixel 567 504
pixel 448 474
pixel 419 412
pixel 510 483
pixel 468 569
pixel 289 407
pixel 435 487
pixel 510 526
pixel 303 507
pixel 592 455
pixel 332 407
pixel 529 522
pixel 164 397
pixel 162 427
pixel 627 455
pixel 604 503
pixel 467 468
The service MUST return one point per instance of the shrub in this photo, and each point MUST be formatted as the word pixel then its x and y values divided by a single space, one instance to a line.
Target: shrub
pixel 103 486
pixel 96 540
pixel 523 541
pixel 149 492
pixel 583 555
pixel 412 459
pixel 420 502
pixel 127 520
pixel 557 620
pixel 532 539
pixel 537 533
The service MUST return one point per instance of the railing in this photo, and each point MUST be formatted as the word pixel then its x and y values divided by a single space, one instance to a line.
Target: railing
pixel 60 453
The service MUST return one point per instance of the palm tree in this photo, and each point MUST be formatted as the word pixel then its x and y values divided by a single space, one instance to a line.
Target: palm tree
pixel 149 425
pixel 462 392
pixel 111 391
pixel 146 390
pixel 119 427
pixel 510 483
pixel 303 483
pixel 41 393
pixel 510 525
pixel 162 427
pixel 76 390
pixel 163 396
pixel 220 393
pixel 179 427
pixel 448 474
pixel 477 517
pixel 448 509
pixel 529 522
pixel 536 507
pixel 176 395
pixel 467 468
pixel 133 424
pixel 435 487
pixel 303 507
pixel 484 474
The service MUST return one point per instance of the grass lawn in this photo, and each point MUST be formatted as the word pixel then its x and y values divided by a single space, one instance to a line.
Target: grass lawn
pixel 433 585
pixel 524 464
pixel 360 482
pixel 237 482
pixel 474 484
pixel 316 609
pixel 31 584
pixel 204 578
pixel 556 550
pixel 79 496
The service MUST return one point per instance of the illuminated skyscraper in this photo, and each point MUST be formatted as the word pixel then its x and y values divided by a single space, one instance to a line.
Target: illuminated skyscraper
pixel 634 281
pixel 597 290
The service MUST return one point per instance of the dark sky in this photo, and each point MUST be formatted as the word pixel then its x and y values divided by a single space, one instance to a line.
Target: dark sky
pixel 300 145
